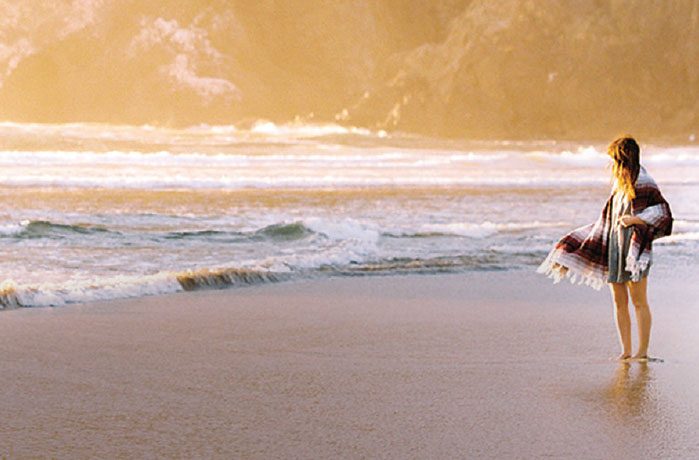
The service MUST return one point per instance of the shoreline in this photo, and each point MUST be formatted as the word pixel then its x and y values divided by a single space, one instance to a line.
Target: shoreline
pixel 470 365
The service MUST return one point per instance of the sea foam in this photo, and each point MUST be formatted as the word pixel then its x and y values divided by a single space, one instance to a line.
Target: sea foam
pixel 14 295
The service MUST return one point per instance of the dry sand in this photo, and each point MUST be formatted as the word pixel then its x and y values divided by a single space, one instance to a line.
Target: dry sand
pixel 477 365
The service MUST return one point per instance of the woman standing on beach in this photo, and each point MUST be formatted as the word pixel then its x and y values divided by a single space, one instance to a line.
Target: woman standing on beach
pixel 617 248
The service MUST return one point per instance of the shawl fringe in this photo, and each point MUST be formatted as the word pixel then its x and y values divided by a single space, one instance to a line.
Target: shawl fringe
pixel 582 255
pixel 557 272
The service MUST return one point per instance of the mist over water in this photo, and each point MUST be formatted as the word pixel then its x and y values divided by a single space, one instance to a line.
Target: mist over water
pixel 459 68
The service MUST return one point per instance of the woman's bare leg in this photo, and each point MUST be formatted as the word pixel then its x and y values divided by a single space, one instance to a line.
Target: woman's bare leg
pixel 620 297
pixel 638 291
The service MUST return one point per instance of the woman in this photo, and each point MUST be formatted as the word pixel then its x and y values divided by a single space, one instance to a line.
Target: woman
pixel 617 248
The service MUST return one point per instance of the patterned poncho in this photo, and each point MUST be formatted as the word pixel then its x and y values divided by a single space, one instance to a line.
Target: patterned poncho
pixel 583 253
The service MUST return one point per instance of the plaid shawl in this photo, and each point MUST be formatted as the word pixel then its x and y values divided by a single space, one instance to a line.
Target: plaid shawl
pixel 583 253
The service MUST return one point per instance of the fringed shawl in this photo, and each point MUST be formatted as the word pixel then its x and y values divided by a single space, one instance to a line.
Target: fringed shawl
pixel 582 255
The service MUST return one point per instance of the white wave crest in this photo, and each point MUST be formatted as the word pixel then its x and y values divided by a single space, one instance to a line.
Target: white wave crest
pixel 13 295
pixel 672 156
pixel 471 230
pixel 582 157
pixel 304 129
pixel 682 231
pixel 158 182
pixel 685 226
pixel 55 294
pixel 678 238
pixel 12 229
pixel 345 229
pixel 381 159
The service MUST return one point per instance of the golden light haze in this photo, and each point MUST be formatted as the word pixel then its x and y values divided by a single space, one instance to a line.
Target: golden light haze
pixel 463 68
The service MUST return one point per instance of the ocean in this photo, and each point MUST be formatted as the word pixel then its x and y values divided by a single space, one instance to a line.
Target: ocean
pixel 97 212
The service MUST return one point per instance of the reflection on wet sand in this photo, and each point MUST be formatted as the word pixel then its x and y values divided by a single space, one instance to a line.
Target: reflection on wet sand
pixel 630 393
pixel 643 415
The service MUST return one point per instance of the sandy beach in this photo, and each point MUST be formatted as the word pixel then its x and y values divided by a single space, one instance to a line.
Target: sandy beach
pixel 499 365
pixel 311 230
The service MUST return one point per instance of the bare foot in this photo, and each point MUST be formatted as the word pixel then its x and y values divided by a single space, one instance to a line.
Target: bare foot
pixel 623 357
pixel 640 357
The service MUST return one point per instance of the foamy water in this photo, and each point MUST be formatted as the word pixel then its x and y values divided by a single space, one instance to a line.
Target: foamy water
pixel 93 212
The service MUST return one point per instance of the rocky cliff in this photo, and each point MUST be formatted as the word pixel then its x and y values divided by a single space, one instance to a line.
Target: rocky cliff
pixel 464 68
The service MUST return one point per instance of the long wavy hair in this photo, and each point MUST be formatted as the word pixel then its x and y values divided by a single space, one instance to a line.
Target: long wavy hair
pixel 626 155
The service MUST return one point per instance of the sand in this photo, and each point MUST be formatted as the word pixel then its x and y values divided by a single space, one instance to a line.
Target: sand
pixel 500 365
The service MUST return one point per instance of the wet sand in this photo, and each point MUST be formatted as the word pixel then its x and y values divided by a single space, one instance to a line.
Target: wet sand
pixel 500 365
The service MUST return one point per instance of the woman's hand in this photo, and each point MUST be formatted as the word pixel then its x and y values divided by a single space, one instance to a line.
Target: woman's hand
pixel 627 221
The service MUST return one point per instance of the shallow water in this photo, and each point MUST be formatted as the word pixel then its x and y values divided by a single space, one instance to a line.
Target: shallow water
pixel 100 212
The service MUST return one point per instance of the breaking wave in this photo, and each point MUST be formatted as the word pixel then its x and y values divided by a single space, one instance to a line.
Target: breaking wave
pixel 469 230
pixel 683 232
pixel 46 229
pixel 13 295
pixel 286 231
pixel 275 248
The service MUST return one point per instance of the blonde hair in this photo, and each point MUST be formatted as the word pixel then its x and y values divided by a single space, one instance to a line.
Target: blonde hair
pixel 626 155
